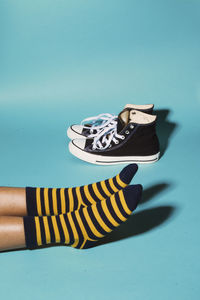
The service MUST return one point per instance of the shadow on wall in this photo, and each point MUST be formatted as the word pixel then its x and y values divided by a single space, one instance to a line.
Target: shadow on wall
pixel 143 221
pixel 164 128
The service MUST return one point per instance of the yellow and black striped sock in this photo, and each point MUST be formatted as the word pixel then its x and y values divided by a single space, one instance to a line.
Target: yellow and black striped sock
pixel 55 201
pixel 83 227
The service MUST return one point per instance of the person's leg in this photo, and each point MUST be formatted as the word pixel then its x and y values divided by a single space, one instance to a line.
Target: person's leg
pixel 11 233
pixel 78 229
pixel 13 201
pixel 55 201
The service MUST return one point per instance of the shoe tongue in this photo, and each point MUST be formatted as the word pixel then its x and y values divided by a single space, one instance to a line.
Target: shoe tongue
pixel 123 119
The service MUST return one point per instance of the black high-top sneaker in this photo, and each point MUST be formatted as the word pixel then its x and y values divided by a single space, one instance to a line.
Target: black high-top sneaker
pixel 133 140
pixel 90 127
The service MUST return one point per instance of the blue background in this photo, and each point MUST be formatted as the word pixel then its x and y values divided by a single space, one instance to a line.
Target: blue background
pixel 62 61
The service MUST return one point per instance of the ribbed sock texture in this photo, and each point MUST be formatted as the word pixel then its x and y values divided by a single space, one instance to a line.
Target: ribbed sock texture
pixel 55 201
pixel 83 226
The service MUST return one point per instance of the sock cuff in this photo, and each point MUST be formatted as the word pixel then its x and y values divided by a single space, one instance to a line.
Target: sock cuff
pixel 31 201
pixel 30 232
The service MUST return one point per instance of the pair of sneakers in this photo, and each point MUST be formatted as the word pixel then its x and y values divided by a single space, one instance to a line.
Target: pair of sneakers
pixel 110 139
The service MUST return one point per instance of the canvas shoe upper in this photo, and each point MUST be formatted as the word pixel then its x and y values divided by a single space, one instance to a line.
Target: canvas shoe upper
pixel 134 139
pixel 90 127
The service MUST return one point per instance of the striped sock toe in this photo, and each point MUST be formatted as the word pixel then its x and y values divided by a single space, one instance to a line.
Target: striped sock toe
pixel 128 172
pixel 133 194
pixel 83 226
pixel 54 201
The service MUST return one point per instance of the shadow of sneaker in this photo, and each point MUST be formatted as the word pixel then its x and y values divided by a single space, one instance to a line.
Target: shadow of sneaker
pixel 164 129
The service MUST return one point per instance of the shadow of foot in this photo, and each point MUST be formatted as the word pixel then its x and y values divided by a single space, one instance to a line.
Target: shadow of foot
pixel 152 191
pixel 138 223
pixel 164 128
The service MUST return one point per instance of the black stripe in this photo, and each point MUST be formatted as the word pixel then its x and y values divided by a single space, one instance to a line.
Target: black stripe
pixel 125 161
pixel 62 236
pixel 30 232
pixel 75 198
pixel 71 236
pixel 87 228
pixel 43 236
pixel 66 200
pixel 50 201
pixel 112 211
pixel 95 222
pixel 120 206
pixel 108 186
pixel 85 200
pixel 116 183
pixel 103 216
pixel 31 201
pixel 42 201
pixel 49 219
pixel 58 201
pixel 101 190
pixel 92 193
pixel 80 234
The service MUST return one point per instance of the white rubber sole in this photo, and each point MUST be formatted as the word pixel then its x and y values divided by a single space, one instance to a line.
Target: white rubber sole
pixel 73 135
pixel 111 160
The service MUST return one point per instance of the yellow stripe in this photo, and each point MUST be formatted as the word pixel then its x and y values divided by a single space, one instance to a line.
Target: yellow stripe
pixel 75 233
pixel 83 230
pixel 113 187
pixel 38 201
pixel 71 199
pixel 64 227
pixel 123 202
pixel 38 231
pixel 87 194
pixel 55 228
pixel 91 225
pixel 46 229
pixel 96 191
pixel 78 194
pixel 120 182
pixel 83 244
pixel 104 187
pixel 99 219
pixel 63 204
pixel 46 201
pixel 107 213
pixel 116 208
pixel 54 198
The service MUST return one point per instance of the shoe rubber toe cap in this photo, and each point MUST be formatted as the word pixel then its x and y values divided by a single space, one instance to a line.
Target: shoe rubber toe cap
pixel 77 128
pixel 80 143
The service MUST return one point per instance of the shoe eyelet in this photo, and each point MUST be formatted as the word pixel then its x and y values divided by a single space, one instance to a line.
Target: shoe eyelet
pixel 127 132
pixel 131 126
pixel 123 137
pixel 116 142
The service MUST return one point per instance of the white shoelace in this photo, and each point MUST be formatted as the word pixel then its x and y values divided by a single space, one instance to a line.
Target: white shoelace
pixel 105 120
pixel 106 136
